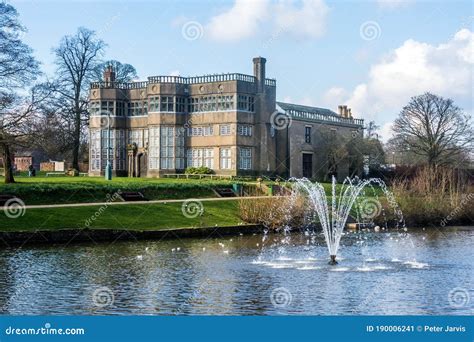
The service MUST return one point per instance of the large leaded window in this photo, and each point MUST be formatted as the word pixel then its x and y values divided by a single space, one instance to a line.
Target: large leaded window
pixel 116 149
pixel 211 103
pixel 244 130
pixel 198 157
pixel 194 104
pixel 107 108
pixel 245 158
pixel 137 108
pixel 135 136
pixel 120 108
pixel 225 102
pixel 225 159
pixel 94 108
pixel 167 147
pixel 154 148
pixel 154 104
pixel 166 104
pixel 181 103
pixel 246 103
pixel 180 149
pixel 95 149
pixel 197 131
pixel 120 150
pixel 224 129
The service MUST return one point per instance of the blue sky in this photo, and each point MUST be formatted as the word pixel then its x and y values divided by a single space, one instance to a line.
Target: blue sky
pixel 370 55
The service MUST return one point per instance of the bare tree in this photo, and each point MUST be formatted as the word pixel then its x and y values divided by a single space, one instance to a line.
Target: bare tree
pixel 434 128
pixel 123 72
pixel 17 124
pixel 18 68
pixel 77 58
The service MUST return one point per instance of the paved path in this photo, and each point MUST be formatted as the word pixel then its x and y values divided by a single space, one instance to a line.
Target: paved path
pixel 43 206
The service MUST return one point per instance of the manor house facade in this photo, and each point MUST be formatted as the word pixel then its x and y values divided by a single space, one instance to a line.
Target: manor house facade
pixel 230 123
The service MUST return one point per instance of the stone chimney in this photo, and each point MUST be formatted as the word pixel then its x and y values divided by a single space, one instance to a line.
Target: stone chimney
pixel 349 113
pixel 259 73
pixel 344 111
pixel 340 109
pixel 109 74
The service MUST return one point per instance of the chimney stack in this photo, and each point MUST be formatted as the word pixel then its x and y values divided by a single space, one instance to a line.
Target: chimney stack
pixel 109 74
pixel 349 114
pixel 343 111
pixel 259 73
pixel 340 109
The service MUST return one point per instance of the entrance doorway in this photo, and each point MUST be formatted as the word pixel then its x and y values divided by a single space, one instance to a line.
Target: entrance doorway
pixel 308 165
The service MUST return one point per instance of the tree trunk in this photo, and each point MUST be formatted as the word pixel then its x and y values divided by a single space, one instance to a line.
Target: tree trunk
pixel 7 163
pixel 77 141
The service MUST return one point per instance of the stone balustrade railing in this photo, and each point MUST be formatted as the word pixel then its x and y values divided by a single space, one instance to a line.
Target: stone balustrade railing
pixel 181 80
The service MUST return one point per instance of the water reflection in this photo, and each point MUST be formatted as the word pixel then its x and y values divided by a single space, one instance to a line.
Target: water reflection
pixel 379 273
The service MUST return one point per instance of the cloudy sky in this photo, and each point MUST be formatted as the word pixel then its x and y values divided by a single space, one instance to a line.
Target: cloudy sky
pixel 371 56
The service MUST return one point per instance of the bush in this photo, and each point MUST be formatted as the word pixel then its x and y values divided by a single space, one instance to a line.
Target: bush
pixel 274 212
pixel 202 170
pixel 435 196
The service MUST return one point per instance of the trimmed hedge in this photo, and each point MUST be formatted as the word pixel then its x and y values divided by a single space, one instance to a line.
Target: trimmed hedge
pixel 49 193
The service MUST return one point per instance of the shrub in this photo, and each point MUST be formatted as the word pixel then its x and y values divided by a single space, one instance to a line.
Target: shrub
pixel 274 212
pixel 202 170
pixel 435 196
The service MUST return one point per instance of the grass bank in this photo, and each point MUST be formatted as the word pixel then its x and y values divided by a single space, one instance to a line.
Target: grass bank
pixel 54 190
pixel 57 190
pixel 138 217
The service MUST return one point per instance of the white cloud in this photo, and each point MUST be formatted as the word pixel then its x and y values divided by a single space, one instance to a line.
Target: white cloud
pixel 240 21
pixel 412 69
pixel 385 131
pixel 306 21
pixel 246 18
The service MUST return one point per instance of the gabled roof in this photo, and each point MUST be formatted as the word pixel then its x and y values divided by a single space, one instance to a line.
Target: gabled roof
pixel 316 110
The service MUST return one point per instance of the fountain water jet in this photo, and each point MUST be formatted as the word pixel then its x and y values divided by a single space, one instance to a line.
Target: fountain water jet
pixel 333 219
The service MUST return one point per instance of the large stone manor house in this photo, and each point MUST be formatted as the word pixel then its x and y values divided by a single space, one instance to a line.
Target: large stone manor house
pixel 231 123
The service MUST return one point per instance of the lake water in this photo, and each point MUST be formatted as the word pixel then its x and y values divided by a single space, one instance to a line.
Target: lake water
pixel 390 273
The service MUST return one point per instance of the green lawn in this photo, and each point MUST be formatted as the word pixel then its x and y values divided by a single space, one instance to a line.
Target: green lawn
pixel 52 190
pixel 125 216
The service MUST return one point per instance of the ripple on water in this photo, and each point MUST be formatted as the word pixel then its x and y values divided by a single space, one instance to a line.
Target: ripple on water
pixel 365 269
pixel 416 264
pixel 307 268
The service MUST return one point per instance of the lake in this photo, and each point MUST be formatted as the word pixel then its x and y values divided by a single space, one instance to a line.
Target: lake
pixel 418 272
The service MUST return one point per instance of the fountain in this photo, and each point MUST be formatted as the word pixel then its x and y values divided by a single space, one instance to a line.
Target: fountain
pixel 333 218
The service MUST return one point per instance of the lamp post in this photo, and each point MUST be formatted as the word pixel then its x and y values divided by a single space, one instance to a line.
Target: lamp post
pixel 108 167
